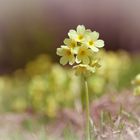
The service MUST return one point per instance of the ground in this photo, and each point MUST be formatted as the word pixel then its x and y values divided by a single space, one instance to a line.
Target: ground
pixel 116 116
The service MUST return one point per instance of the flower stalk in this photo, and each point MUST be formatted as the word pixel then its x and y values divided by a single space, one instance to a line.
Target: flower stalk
pixel 87 112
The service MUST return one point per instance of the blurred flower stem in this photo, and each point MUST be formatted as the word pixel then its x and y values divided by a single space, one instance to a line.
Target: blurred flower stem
pixel 87 111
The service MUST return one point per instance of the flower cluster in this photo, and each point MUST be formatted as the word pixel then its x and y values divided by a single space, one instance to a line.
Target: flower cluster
pixel 136 83
pixel 80 48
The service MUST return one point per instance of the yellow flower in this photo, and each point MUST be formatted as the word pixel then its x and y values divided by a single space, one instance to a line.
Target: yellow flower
pixel 70 43
pixel 84 70
pixel 136 81
pixel 84 54
pixel 79 34
pixel 67 55
pixel 93 42
pixel 80 48
pixel 96 63
pixel 137 91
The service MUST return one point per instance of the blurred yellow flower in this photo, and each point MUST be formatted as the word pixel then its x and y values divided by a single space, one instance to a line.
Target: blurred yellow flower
pixel 96 63
pixel 67 55
pixel 84 70
pixel 136 83
pixel 137 91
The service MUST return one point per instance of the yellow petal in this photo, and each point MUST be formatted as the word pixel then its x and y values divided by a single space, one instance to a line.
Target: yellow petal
pixel 80 29
pixel 67 41
pixel 71 60
pixel 63 60
pixel 94 35
pixel 72 34
pixel 99 43
pixel 94 49
pixel 86 60
pixel 60 51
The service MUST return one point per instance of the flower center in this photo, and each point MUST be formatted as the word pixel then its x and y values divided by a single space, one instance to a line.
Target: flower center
pixel 80 37
pixel 82 52
pixel 68 52
pixel 72 45
pixel 91 43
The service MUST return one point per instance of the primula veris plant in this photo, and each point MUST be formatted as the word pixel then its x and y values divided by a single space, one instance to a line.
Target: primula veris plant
pixel 80 50
pixel 136 83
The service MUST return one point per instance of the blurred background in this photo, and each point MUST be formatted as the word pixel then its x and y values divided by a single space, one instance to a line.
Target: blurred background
pixel 31 79
pixel 29 28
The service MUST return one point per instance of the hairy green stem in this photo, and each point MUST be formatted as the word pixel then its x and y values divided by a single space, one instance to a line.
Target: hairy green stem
pixel 87 112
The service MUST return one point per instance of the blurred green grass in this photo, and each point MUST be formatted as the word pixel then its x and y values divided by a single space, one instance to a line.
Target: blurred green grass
pixel 45 87
pixel 37 88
